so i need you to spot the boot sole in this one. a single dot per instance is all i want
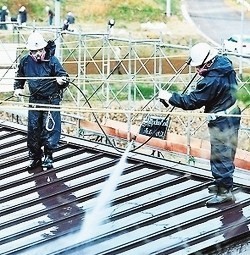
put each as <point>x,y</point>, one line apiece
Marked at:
<point>231,199</point>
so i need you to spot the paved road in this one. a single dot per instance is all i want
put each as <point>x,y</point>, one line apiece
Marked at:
<point>216,20</point>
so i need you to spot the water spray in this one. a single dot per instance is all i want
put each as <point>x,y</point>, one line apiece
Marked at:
<point>94,218</point>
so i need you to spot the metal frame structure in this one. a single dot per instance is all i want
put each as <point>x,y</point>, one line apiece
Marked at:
<point>116,73</point>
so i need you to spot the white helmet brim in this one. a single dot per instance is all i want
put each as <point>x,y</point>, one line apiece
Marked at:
<point>202,53</point>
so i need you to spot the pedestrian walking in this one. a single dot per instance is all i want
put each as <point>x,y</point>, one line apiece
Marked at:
<point>216,91</point>
<point>50,14</point>
<point>46,80</point>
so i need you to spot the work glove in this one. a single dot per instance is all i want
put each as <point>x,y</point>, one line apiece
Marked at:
<point>18,93</point>
<point>61,80</point>
<point>164,97</point>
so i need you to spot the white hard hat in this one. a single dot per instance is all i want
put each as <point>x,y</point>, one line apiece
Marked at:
<point>201,53</point>
<point>36,41</point>
<point>22,9</point>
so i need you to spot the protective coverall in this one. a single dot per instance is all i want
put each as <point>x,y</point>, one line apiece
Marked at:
<point>216,91</point>
<point>44,127</point>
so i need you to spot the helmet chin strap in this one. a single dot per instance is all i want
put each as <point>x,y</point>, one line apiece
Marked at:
<point>38,56</point>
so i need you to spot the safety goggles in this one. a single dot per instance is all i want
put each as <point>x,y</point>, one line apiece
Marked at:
<point>36,51</point>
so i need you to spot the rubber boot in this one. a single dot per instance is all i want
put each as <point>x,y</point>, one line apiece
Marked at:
<point>48,161</point>
<point>34,163</point>
<point>223,195</point>
<point>213,188</point>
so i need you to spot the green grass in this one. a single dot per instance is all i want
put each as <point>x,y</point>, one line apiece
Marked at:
<point>137,13</point>
<point>243,94</point>
<point>130,10</point>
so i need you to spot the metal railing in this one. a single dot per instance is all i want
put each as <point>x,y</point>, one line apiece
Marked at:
<point>120,78</point>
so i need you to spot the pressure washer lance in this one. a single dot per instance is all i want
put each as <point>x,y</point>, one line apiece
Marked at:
<point>187,62</point>
<point>179,71</point>
<point>166,105</point>
<point>49,123</point>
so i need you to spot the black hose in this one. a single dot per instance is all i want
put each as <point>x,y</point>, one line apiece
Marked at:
<point>6,99</point>
<point>187,62</point>
<point>165,119</point>
<point>245,108</point>
<point>153,133</point>
<point>96,119</point>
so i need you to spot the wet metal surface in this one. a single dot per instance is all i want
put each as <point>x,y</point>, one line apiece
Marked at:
<point>157,207</point>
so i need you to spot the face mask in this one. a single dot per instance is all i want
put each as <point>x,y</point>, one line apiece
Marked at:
<point>203,70</point>
<point>38,55</point>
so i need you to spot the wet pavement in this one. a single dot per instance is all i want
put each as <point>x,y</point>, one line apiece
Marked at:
<point>158,206</point>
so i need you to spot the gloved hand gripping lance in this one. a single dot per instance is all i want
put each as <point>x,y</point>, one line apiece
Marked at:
<point>164,95</point>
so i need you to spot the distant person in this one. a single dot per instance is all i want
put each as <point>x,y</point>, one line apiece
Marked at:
<point>70,18</point>
<point>4,15</point>
<point>216,91</point>
<point>50,14</point>
<point>22,16</point>
<point>65,25</point>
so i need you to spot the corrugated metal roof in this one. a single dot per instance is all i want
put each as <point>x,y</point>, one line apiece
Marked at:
<point>158,206</point>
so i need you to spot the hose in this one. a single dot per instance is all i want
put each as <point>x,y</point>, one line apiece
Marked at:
<point>165,119</point>
<point>153,133</point>
<point>96,119</point>
<point>50,122</point>
<point>187,62</point>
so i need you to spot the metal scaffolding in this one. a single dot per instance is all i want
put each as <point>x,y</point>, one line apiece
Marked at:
<point>118,78</point>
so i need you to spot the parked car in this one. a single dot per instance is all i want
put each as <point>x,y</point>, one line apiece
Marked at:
<point>233,44</point>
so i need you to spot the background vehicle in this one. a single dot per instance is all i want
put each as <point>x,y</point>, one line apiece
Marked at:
<point>233,44</point>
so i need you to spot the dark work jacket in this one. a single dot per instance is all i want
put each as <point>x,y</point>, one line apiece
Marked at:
<point>28,67</point>
<point>4,13</point>
<point>216,91</point>
<point>23,16</point>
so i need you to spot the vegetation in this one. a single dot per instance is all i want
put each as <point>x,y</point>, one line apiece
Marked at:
<point>243,94</point>
<point>97,10</point>
<point>127,11</point>
<point>34,7</point>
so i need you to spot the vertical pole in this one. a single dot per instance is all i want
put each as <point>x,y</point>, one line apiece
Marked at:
<point>57,25</point>
<point>106,68</point>
<point>57,13</point>
<point>131,73</point>
<point>79,82</point>
<point>168,8</point>
<point>189,119</point>
<point>241,39</point>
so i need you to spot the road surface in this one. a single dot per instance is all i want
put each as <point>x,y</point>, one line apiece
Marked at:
<point>216,20</point>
